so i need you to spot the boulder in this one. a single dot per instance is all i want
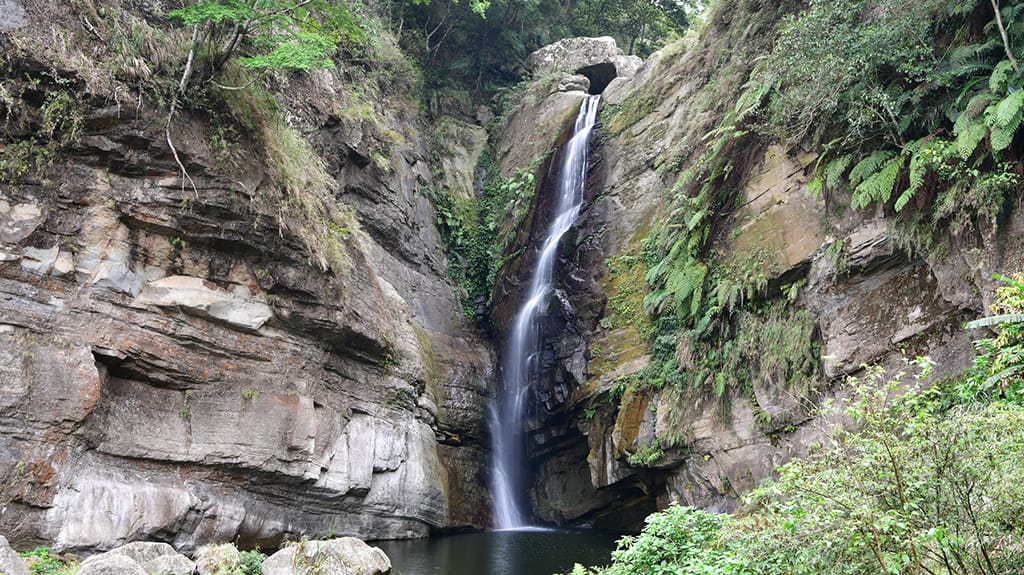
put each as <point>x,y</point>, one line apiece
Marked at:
<point>111,564</point>
<point>144,551</point>
<point>156,558</point>
<point>599,59</point>
<point>151,557</point>
<point>574,83</point>
<point>173,564</point>
<point>344,556</point>
<point>10,562</point>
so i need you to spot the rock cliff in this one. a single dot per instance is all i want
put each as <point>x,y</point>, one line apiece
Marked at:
<point>839,292</point>
<point>248,358</point>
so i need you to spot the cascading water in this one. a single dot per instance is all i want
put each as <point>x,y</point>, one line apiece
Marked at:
<point>520,358</point>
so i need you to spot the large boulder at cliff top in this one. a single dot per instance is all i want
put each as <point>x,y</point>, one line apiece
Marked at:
<point>599,59</point>
<point>343,556</point>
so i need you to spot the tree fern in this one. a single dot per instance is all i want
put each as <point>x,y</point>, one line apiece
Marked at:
<point>1004,118</point>
<point>868,166</point>
<point>877,186</point>
<point>1000,77</point>
<point>968,135</point>
<point>1008,111</point>
<point>918,169</point>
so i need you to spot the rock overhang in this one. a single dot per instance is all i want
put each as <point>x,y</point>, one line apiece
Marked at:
<point>600,60</point>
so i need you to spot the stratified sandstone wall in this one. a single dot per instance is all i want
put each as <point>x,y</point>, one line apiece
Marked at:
<point>176,364</point>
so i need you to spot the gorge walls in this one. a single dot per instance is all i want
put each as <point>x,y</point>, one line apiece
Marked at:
<point>276,351</point>
<point>833,289</point>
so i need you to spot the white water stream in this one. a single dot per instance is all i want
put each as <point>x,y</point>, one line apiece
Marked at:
<point>520,360</point>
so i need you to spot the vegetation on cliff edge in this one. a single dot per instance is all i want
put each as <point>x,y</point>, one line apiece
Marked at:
<point>928,481</point>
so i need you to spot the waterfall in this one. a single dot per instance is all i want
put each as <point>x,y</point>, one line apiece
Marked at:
<point>520,359</point>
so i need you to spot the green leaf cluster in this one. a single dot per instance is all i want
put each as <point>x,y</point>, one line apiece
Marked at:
<point>41,562</point>
<point>919,487</point>
<point>477,231</point>
<point>998,369</point>
<point>922,106</point>
<point>273,34</point>
<point>680,540</point>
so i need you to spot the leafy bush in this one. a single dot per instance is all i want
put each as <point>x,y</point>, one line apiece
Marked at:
<point>918,488</point>
<point>251,562</point>
<point>915,489</point>
<point>41,562</point>
<point>679,540</point>
<point>922,106</point>
<point>999,364</point>
<point>272,34</point>
<point>477,231</point>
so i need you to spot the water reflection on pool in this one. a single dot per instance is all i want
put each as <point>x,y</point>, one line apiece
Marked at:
<point>514,552</point>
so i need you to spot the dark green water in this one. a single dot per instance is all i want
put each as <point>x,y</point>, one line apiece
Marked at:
<point>519,552</point>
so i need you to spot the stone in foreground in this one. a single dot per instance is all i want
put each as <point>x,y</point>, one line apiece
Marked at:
<point>344,556</point>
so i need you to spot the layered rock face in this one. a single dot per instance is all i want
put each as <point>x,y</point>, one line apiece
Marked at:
<point>187,365</point>
<point>865,299</point>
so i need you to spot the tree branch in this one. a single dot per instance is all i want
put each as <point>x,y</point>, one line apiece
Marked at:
<point>185,76</point>
<point>1006,40</point>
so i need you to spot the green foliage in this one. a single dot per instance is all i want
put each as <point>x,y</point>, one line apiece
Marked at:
<point>250,562</point>
<point>679,540</point>
<point>925,103</point>
<point>41,562</point>
<point>272,34</point>
<point>647,455</point>
<point>917,488</point>
<point>34,133</point>
<point>477,231</point>
<point>776,346</point>
<point>999,363</point>
<point>914,490</point>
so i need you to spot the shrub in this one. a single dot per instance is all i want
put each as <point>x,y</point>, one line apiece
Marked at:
<point>41,562</point>
<point>918,488</point>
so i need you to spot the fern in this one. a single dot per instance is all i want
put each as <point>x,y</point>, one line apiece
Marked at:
<point>835,169</point>
<point>1008,111</point>
<point>969,135</point>
<point>918,169</point>
<point>1004,118</point>
<point>815,185</point>
<point>1000,77</point>
<point>994,320</point>
<point>868,166</point>
<point>877,186</point>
